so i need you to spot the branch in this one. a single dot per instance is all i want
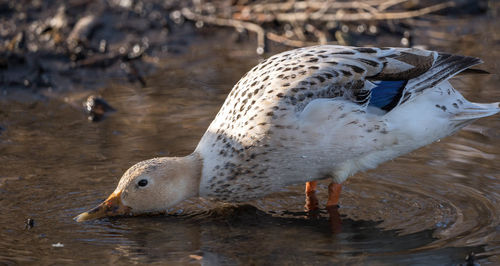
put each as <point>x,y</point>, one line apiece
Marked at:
<point>386,5</point>
<point>345,17</point>
<point>261,41</point>
<point>298,14</point>
<point>288,42</point>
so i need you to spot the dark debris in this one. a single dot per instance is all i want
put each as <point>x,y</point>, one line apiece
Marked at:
<point>96,108</point>
<point>470,260</point>
<point>29,223</point>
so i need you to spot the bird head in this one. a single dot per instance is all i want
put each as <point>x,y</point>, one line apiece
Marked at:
<point>150,186</point>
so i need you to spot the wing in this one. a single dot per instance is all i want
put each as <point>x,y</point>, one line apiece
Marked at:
<point>281,86</point>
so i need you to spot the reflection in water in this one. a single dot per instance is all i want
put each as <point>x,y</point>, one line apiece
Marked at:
<point>242,233</point>
<point>432,207</point>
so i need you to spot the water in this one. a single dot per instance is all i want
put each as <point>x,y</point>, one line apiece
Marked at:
<point>433,206</point>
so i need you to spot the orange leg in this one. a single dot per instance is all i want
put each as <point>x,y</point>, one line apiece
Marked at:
<point>311,199</point>
<point>333,194</point>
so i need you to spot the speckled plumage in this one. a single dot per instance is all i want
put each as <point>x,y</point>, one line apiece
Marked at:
<point>304,115</point>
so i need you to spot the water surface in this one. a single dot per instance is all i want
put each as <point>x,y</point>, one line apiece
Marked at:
<point>433,206</point>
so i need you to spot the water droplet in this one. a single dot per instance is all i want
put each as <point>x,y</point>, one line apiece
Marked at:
<point>405,42</point>
<point>345,28</point>
<point>136,49</point>
<point>102,46</point>
<point>58,245</point>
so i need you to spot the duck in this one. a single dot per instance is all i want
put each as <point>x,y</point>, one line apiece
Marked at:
<point>303,115</point>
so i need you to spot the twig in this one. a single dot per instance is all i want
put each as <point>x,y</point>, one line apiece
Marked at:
<point>299,13</point>
<point>288,42</point>
<point>364,16</point>
<point>261,41</point>
<point>292,5</point>
<point>340,38</point>
<point>299,31</point>
<point>319,34</point>
<point>390,3</point>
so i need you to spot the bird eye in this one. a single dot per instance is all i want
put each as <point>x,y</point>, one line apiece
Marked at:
<point>143,183</point>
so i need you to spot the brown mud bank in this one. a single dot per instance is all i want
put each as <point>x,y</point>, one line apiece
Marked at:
<point>65,45</point>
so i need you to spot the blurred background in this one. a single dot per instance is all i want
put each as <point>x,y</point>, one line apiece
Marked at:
<point>90,87</point>
<point>54,44</point>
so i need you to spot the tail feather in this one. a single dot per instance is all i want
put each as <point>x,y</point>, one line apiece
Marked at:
<point>476,110</point>
<point>446,66</point>
<point>474,71</point>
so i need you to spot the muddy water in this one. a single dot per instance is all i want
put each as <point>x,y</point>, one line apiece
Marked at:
<point>433,206</point>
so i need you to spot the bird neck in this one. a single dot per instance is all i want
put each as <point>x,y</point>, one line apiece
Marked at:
<point>192,169</point>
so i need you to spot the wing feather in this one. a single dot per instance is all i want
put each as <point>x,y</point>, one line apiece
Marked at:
<point>282,85</point>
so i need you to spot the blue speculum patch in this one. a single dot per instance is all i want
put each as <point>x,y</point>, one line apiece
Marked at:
<point>385,95</point>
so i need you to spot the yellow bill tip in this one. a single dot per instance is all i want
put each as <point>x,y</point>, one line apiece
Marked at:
<point>112,206</point>
<point>81,217</point>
